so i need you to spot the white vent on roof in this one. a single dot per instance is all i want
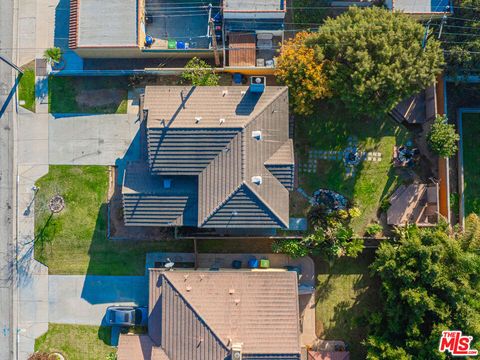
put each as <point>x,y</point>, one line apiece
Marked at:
<point>243,92</point>
<point>221,121</point>
<point>231,291</point>
<point>257,135</point>
<point>198,119</point>
<point>237,351</point>
<point>257,180</point>
<point>224,92</point>
<point>188,288</point>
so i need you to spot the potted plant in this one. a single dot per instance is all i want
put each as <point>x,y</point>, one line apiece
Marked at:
<point>52,57</point>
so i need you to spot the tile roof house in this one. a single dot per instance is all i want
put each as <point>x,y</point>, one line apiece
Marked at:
<point>205,315</point>
<point>218,157</point>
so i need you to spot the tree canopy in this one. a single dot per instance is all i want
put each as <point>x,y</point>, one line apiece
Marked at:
<point>199,73</point>
<point>302,71</point>
<point>430,283</point>
<point>374,58</point>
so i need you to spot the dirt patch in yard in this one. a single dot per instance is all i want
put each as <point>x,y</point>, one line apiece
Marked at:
<point>100,97</point>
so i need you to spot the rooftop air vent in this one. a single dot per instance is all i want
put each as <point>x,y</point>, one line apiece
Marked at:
<point>237,351</point>
<point>221,121</point>
<point>198,119</point>
<point>257,180</point>
<point>257,135</point>
<point>257,84</point>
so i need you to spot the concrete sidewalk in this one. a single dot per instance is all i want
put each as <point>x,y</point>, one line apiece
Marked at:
<point>78,299</point>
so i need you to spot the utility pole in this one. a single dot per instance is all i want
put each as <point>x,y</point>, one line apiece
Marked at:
<point>214,43</point>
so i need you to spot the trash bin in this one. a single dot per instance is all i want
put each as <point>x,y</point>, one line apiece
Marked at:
<point>172,44</point>
<point>264,263</point>
<point>253,263</point>
<point>236,264</point>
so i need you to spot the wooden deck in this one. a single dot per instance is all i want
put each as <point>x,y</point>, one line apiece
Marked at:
<point>242,50</point>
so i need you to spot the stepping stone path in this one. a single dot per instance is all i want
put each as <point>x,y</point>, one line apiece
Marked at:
<point>310,166</point>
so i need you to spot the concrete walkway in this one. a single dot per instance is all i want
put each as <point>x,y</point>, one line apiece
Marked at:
<point>77,299</point>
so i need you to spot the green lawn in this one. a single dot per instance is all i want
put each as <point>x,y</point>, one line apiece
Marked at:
<point>329,129</point>
<point>76,342</point>
<point>74,241</point>
<point>100,95</point>
<point>26,88</point>
<point>471,162</point>
<point>346,295</point>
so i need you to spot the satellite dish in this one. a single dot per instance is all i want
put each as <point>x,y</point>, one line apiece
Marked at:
<point>169,264</point>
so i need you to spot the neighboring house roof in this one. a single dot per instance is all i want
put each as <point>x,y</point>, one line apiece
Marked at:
<point>201,314</point>
<point>208,133</point>
<point>111,23</point>
<point>420,6</point>
<point>257,5</point>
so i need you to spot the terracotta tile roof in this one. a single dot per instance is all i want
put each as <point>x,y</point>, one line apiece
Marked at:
<point>258,309</point>
<point>139,347</point>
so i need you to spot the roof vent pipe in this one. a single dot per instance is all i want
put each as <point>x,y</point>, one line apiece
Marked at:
<point>257,135</point>
<point>197,119</point>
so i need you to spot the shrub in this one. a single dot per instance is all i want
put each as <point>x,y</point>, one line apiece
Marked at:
<point>442,137</point>
<point>294,248</point>
<point>199,73</point>
<point>52,55</point>
<point>373,229</point>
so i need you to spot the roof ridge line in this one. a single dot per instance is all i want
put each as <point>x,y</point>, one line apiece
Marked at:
<point>222,203</point>
<point>196,312</point>
<point>263,201</point>
<point>254,117</point>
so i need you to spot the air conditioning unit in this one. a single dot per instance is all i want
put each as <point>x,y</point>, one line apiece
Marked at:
<point>257,84</point>
<point>237,351</point>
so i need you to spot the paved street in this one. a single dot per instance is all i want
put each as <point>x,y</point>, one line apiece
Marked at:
<point>7,208</point>
<point>84,299</point>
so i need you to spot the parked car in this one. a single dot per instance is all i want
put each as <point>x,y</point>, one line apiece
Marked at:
<point>127,315</point>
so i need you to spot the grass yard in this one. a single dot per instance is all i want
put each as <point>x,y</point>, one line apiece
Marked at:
<point>74,241</point>
<point>329,129</point>
<point>471,162</point>
<point>26,88</point>
<point>346,295</point>
<point>76,342</point>
<point>95,95</point>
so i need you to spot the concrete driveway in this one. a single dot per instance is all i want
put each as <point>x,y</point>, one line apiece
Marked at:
<point>92,139</point>
<point>78,299</point>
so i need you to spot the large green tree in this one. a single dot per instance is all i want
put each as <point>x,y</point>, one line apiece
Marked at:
<point>374,58</point>
<point>430,283</point>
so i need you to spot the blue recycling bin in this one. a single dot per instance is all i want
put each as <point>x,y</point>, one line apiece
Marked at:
<point>237,78</point>
<point>253,264</point>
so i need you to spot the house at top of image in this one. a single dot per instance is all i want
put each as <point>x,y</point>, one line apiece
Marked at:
<point>218,157</point>
<point>244,35</point>
<point>421,7</point>
<point>213,315</point>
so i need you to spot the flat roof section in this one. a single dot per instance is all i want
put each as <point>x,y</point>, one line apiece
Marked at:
<point>111,23</point>
<point>257,5</point>
<point>421,6</point>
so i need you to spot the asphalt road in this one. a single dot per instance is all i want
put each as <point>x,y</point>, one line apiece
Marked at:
<point>7,332</point>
